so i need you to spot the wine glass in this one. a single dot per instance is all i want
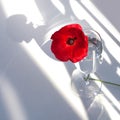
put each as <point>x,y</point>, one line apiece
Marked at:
<point>81,81</point>
<point>87,89</point>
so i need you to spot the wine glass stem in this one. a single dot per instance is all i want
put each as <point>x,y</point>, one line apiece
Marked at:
<point>94,62</point>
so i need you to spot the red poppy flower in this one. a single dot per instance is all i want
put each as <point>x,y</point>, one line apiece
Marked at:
<point>70,43</point>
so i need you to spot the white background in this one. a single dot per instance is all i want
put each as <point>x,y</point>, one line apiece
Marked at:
<point>36,86</point>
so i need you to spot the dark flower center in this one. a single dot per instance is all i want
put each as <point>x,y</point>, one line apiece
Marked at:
<point>70,41</point>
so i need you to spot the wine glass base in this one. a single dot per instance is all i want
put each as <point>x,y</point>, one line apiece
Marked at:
<point>90,94</point>
<point>84,88</point>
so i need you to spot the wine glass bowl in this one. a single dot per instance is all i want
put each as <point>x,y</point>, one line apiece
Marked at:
<point>95,44</point>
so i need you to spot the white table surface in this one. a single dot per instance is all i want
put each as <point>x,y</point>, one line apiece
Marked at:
<point>36,86</point>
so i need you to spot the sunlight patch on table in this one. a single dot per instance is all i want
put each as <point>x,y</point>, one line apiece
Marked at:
<point>111,98</point>
<point>11,100</point>
<point>59,6</point>
<point>25,7</point>
<point>118,71</point>
<point>97,14</point>
<point>107,58</point>
<point>111,111</point>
